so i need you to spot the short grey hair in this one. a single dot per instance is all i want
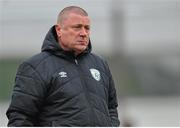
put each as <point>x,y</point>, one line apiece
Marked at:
<point>70,9</point>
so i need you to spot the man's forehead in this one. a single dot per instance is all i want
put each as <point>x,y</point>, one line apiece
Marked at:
<point>76,17</point>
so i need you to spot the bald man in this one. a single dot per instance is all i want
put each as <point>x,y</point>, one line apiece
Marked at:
<point>65,84</point>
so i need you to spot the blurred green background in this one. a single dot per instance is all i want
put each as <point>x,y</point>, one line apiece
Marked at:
<point>8,68</point>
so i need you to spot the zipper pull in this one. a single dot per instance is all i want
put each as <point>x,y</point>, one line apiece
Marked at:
<point>76,61</point>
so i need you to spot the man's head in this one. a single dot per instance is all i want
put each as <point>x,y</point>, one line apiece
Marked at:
<point>73,29</point>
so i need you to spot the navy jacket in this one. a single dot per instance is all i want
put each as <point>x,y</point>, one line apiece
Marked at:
<point>56,88</point>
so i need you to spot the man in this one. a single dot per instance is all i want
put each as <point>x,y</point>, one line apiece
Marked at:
<point>65,84</point>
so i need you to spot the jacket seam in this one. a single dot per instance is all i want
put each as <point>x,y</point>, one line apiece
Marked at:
<point>18,91</point>
<point>102,112</point>
<point>61,67</point>
<point>25,76</point>
<point>36,72</point>
<point>49,55</point>
<point>22,111</point>
<point>35,68</point>
<point>97,96</point>
<point>63,84</point>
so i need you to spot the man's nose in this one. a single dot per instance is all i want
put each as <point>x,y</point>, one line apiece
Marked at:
<point>83,32</point>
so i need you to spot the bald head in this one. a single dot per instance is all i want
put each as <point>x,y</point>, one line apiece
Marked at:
<point>70,9</point>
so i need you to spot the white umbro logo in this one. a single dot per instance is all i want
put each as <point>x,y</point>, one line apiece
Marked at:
<point>63,74</point>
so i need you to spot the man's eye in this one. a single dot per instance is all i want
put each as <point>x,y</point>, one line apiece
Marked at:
<point>79,27</point>
<point>76,27</point>
<point>87,28</point>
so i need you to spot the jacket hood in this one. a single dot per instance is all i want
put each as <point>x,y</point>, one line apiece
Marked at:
<point>50,44</point>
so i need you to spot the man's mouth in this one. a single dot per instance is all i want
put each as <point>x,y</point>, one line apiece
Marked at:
<point>82,42</point>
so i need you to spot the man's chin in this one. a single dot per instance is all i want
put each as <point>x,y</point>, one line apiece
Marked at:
<point>80,50</point>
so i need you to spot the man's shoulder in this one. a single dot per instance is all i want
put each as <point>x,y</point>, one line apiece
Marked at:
<point>99,60</point>
<point>94,55</point>
<point>98,57</point>
<point>36,59</point>
<point>31,64</point>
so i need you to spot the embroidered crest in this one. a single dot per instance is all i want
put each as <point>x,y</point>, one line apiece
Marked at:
<point>96,74</point>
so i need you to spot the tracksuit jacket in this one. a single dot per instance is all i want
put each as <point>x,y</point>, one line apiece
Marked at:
<point>57,88</point>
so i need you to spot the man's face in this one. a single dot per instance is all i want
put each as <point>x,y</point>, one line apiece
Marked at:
<point>73,33</point>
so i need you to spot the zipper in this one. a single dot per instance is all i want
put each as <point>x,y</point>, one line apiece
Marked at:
<point>76,62</point>
<point>86,93</point>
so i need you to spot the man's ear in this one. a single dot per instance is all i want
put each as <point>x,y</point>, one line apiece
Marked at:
<point>58,30</point>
